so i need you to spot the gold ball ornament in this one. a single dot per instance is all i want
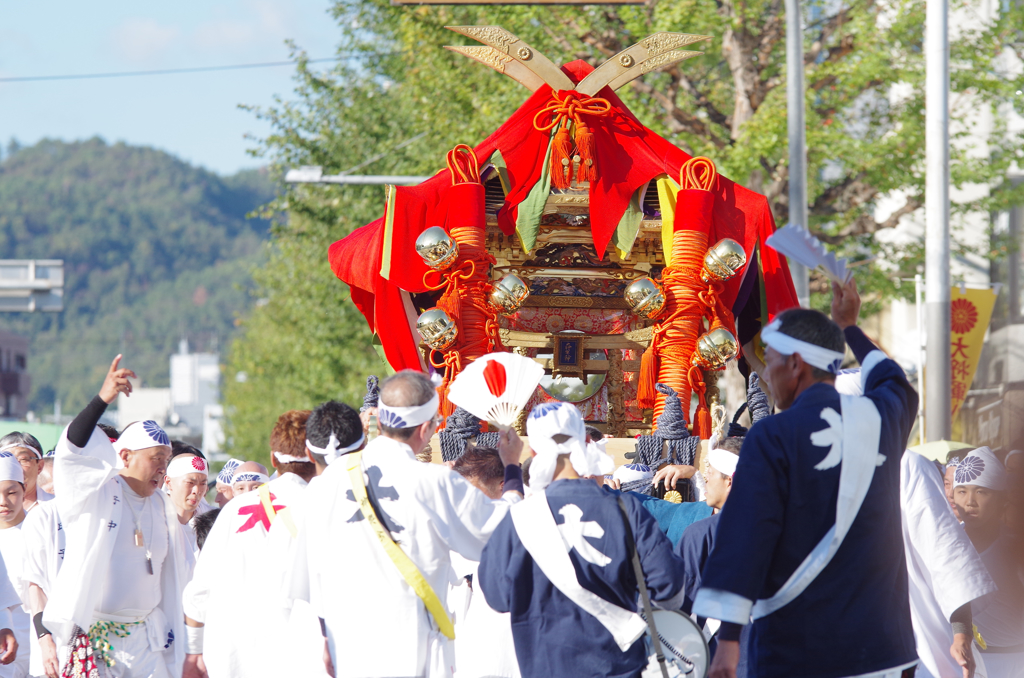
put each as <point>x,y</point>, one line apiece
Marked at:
<point>715,348</point>
<point>723,261</point>
<point>646,297</point>
<point>508,294</point>
<point>437,329</point>
<point>438,249</point>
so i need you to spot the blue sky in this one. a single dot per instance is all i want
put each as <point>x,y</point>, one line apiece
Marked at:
<point>194,116</point>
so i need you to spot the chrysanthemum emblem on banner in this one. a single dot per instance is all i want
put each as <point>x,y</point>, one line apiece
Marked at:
<point>970,313</point>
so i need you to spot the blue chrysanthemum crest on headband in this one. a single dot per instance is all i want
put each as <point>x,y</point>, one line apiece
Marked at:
<point>155,432</point>
<point>391,419</point>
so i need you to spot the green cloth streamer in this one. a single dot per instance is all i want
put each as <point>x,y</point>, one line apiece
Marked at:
<point>629,225</point>
<point>532,208</point>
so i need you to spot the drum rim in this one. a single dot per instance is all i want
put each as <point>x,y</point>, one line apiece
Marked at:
<point>693,624</point>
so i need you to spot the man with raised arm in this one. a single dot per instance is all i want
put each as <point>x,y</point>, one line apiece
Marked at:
<point>810,544</point>
<point>117,596</point>
<point>377,523</point>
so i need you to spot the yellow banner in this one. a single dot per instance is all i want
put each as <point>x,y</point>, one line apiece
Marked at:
<point>970,313</point>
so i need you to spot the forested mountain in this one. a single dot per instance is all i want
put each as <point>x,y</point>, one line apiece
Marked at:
<point>154,250</point>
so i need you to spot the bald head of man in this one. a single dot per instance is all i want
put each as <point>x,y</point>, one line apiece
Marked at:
<point>249,476</point>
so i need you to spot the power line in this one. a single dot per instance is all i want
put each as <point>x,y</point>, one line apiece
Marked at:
<point>171,71</point>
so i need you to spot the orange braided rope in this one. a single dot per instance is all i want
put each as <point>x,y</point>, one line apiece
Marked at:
<point>463,165</point>
<point>689,301</point>
<point>466,286</point>
<point>565,108</point>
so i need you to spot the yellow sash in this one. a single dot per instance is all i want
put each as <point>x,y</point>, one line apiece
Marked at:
<point>268,506</point>
<point>413,577</point>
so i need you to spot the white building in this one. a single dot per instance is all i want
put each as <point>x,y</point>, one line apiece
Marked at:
<point>190,409</point>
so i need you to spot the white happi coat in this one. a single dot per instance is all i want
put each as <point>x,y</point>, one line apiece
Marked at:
<point>376,624</point>
<point>89,499</point>
<point>484,647</point>
<point>945,570</point>
<point>237,618</point>
<point>43,537</point>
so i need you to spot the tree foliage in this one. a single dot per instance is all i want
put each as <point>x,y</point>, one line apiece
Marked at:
<point>154,250</point>
<point>864,68</point>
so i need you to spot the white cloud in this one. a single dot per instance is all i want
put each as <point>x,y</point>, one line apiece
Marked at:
<point>223,34</point>
<point>144,40</point>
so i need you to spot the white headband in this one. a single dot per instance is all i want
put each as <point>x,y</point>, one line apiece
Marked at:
<point>140,435</point>
<point>184,464</point>
<point>332,452</point>
<point>818,356</point>
<point>723,461</point>
<point>289,459</point>
<point>10,468</point>
<point>546,421</point>
<point>23,446</point>
<point>981,467</point>
<point>246,476</point>
<point>228,471</point>
<point>407,417</point>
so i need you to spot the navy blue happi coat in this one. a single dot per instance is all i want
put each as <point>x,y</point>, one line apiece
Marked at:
<point>554,636</point>
<point>854,618</point>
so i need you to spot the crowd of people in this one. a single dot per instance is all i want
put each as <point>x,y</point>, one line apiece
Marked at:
<point>816,544</point>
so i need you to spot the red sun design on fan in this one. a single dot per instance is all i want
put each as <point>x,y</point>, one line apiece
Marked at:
<point>963,316</point>
<point>494,375</point>
<point>197,464</point>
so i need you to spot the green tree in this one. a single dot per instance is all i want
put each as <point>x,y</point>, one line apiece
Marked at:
<point>154,250</point>
<point>865,116</point>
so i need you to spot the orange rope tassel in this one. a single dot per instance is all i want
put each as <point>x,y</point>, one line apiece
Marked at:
<point>566,107</point>
<point>587,147</point>
<point>561,159</point>
<point>645,391</point>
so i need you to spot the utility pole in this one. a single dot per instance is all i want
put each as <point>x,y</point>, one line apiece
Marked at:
<point>797,139</point>
<point>938,398</point>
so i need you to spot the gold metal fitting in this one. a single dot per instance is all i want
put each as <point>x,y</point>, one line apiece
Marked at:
<point>715,349</point>
<point>508,294</point>
<point>438,249</point>
<point>646,297</point>
<point>723,261</point>
<point>437,329</point>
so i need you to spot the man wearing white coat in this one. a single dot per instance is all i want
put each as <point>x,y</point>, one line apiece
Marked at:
<point>222,626</point>
<point>367,503</point>
<point>945,571</point>
<point>119,588</point>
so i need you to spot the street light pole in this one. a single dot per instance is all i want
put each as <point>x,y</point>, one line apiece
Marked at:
<point>315,175</point>
<point>938,385</point>
<point>797,139</point>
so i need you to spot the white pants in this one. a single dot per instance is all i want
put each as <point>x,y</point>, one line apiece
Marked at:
<point>133,657</point>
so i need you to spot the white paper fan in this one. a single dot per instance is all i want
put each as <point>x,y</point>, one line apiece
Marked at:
<point>797,243</point>
<point>496,387</point>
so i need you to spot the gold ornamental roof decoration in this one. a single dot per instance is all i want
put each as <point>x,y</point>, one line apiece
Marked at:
<point>508,54</point>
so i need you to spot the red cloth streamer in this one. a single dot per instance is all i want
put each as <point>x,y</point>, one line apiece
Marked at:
<point>494,375</point>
